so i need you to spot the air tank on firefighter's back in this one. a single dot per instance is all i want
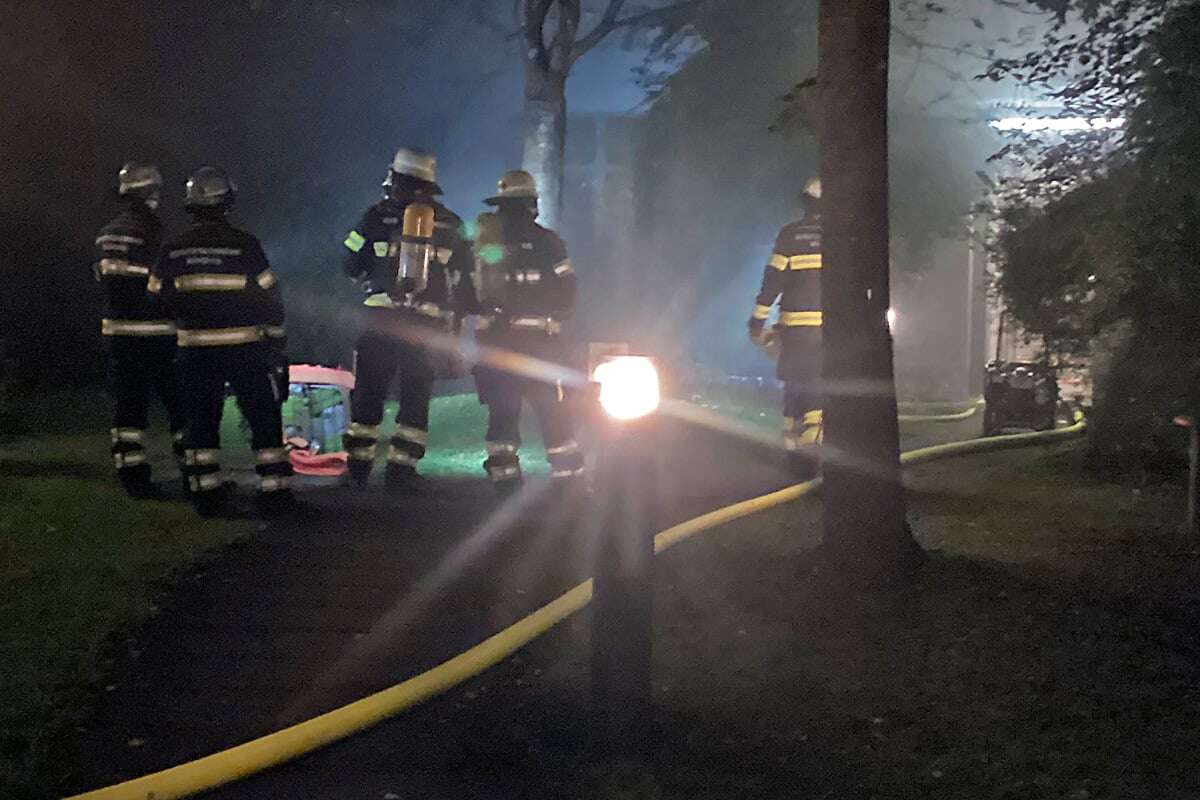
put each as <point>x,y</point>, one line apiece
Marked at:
<point>491,279</point>
<point>415,249</point>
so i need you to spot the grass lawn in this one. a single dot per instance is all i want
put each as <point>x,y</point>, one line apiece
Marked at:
<point>80,564</point>
<point>761,407</point>
<point>1047,649</point>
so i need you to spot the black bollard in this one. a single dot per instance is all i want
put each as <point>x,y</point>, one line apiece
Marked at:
<point>623,593</point>
<point>622,601</point>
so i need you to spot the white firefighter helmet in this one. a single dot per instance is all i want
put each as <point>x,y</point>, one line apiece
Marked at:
<point>516,184</point>
<point>813,188</point>
<point>415,164</point>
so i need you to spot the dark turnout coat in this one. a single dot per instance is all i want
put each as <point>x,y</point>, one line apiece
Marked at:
<point>792,277</point>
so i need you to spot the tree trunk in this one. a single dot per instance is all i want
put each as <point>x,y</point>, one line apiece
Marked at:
<point>545,137</point>
<point>866,536</point>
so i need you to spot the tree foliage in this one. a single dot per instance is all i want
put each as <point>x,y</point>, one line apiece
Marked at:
<point>1101,252</point>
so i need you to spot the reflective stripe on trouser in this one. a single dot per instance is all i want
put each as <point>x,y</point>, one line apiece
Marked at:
<point>812,429</point>
<point>798,433</point>
<point>503,462</point>
<point>129,458</point>
<point>127,450</point>
<point>407,446</point>
<point>566,459</point>
<point>199,483</point>
<point>807,431</point>
<point>202,466</point>
<point>791,434</point>
<point>274,469</point>
<point>405,454</point>
<point>361,441</point>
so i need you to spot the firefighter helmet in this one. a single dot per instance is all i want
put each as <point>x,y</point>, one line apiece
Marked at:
<point>516,184</point>
<point>415,164</point>
<point>139,179</point>
<point>415,168</point>
<point>209,187</point>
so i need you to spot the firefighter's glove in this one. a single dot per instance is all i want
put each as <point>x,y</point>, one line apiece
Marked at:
<point>771,343</point>
<point>755,328</point>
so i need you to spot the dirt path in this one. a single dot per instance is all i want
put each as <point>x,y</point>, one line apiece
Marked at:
<point>296,622</point>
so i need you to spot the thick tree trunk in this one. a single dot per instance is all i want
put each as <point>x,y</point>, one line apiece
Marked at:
<point>545,137</point>
<point>866,535</point>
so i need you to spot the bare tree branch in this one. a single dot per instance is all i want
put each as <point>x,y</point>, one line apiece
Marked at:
<point>535,13</point>
<point>602,28</point>
<point>569,14</point>
<point>607,25</point>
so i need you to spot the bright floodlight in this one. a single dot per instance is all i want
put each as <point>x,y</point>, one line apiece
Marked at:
<point>891,319</point>
<point>628,386</point>
<point>1057,124</point>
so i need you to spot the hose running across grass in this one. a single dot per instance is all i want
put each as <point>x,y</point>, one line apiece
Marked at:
<point>954,417</point>
<point>293,742</point>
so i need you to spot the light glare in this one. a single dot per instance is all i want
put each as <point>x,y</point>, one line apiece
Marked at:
<point>1057,124</point>
<point>628,387</point>
<point>891,319</point>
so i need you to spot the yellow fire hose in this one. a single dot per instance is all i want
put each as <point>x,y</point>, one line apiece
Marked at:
<point>955,417</point>
<point>290,743</point>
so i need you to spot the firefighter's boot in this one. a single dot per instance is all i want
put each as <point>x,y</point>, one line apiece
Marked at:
<point>503,466</point>
<point>804,451</point>
<point>404,479</point>
<point>137,484</point>
<point>214,503</point>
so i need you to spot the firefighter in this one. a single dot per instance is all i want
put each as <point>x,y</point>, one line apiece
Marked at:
<point>141,340</point>
<point>793,277</point>
<point>215,282</point>
<point>413,262</point>
<point>526,289</point>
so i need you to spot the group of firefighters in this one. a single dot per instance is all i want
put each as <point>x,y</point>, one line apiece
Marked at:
<point>202,311</point>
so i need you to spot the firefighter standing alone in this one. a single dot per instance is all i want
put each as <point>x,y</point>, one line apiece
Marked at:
<point>141,340</point>
<point>793,277</point>
<point>413,264</point>
<point>526,288</point>
<point>215,282</point>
